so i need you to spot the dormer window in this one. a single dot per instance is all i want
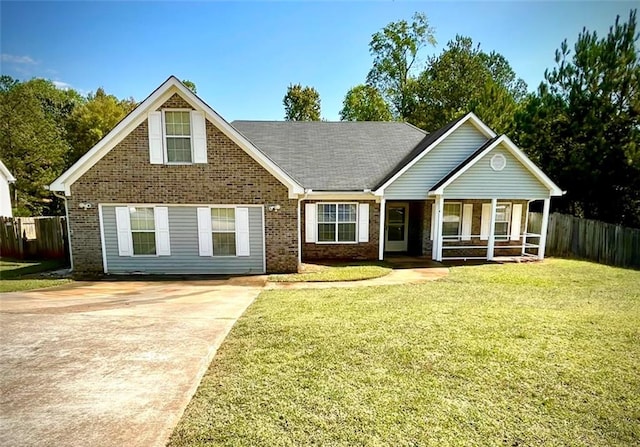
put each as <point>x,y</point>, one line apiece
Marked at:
<point>177,134</point>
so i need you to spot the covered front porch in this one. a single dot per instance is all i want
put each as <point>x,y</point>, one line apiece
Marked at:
<point>449,229</point>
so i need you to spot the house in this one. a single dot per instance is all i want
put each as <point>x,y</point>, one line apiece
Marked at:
<point>5,195</point>
<point>174,188</point>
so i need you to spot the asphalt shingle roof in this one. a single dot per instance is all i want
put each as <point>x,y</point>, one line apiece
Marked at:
<point>335,156</point>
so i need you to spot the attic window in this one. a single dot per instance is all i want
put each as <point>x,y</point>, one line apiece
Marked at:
<point>177,126</point>
<point>498,162</point>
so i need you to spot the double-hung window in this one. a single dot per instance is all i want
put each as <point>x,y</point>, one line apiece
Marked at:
<point>337,222</point>
<point>503,220</point>
<point>451,219</point>
<point>143,230</point>
<point>223,226</point>
<point>177,126</point>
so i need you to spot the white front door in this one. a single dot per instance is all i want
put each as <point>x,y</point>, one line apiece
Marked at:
<point>397,220</point>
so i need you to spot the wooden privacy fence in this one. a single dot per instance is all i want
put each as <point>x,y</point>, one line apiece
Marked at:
<point>33,237</point>
<point>589,239</point>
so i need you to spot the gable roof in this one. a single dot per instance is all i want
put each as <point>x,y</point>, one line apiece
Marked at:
<point>6,173</point>
<point>439,187</point>
<point>334,156</point>
<point>171,86</point>
<point>429,143</point>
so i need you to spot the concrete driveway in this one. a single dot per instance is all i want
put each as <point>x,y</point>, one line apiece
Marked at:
<point>109,363</point>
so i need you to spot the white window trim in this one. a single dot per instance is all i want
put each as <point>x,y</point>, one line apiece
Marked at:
<point>235,207</point>
<point>235,233</point>
<point>335,242</point>
<point>165,146</point>
<point>507,236</point>
<point>131,231</point>
<point>459,233</point>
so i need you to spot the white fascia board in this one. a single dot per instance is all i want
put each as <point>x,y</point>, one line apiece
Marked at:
<point>7,174</point>
<point>470,117</point>
<point>516,152</point>
<point>240,140</point>
<point>139,114</point>
<point>340,195</point>
<point>540,175</point>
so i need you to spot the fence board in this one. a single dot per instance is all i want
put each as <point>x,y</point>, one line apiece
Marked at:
<point>39,237</point>
<point>589,239</point>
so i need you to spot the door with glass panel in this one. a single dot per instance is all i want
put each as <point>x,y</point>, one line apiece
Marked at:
<point>397,218</point>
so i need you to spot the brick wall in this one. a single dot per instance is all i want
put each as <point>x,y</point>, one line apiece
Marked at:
<point>231,176</point>
<point>359,251</point>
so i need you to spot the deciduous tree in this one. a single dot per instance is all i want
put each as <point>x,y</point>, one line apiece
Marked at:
<point>92,120</point>
<point>32,143</point>
<point>301,103</point>
<point>395,52</point>
<point>365,103</point>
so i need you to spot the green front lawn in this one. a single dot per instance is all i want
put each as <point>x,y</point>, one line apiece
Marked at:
<point>511,355</point>
<point>17,275</point>
<point>339,272</point>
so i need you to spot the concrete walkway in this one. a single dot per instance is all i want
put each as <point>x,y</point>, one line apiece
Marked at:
<point>109,363</point>
<point>397,276</point>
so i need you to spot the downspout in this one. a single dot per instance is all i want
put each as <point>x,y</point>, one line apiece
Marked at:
<point>300,199</point>
<point>66,213</point>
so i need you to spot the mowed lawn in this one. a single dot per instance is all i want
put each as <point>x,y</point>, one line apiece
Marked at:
<point>509,355</point>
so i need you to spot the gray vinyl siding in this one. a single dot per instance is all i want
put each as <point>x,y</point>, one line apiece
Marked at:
<point>416,182</point>
<point>184,259</point>
<point>515,181</point>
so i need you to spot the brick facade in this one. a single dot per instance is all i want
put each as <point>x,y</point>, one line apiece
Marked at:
<point>231,176</point>
<point>356,251</point>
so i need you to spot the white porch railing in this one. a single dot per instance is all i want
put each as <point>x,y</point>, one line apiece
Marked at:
<point>524,246</point>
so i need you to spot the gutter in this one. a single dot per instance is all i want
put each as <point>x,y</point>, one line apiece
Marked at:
<point>300,199</point>
<point>66,213</point>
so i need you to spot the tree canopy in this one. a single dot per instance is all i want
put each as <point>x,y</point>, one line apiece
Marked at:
<point>365,103</point>
<point>463,79</point>
<point>301,103</point>
<point>395,52</point>
<point>583,125</point>
<point>44,130</point>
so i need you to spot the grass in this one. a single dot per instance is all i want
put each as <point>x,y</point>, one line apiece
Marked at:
<point>338,272</point>
<point>513,355</point>
<point>24,275</point>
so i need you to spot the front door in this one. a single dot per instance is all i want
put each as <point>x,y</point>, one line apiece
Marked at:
<point>397,219</point>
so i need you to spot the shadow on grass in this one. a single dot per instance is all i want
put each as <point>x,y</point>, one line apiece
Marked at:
<point>16,269</point>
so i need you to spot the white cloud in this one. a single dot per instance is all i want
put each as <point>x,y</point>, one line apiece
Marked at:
<point>13,59</point>
<point>61,85</point>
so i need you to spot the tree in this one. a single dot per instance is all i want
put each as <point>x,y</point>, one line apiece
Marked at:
<point>463,79</point>
<point>301,103</point>
<point>92,120</point>
<point>32,143</point>
<point>395,51</point>
<point>190,85</point>
<point>583,125</point>
<point>365,103</point>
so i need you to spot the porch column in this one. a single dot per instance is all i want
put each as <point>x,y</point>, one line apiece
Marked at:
<point>526,228</point>
<point>439,215</point>
<point>492,231</point>
<point>383,213</point>
<point>543,228</point>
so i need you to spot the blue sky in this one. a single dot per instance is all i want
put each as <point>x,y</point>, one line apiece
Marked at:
<point>243,55</point>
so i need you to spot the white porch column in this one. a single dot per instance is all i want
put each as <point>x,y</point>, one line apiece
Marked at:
<point>383,213</point>
<point>438,235</point>
<point>526,227</point>
<point>543,228</point>
<point>492,231</point>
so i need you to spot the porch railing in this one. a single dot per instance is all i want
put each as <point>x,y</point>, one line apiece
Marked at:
<point>526,247</point>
